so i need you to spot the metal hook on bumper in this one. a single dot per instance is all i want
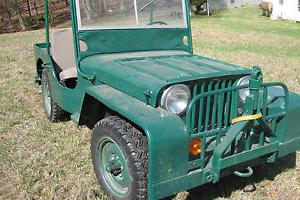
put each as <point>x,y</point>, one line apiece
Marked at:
<point>244,175</point>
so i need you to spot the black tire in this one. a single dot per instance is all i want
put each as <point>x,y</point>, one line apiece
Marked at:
<point>54,112</point>
<point>133,145</point>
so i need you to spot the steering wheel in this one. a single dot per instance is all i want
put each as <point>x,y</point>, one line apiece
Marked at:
<point>158,22</point>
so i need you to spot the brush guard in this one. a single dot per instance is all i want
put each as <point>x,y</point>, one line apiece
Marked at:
<point>255,115</point>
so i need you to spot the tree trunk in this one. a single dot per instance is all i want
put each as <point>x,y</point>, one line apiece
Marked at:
<point>19,16</point>
<point>29,7</point>
<point>35,8</point>
<point>87,5</point>
<point>7,9</point>
<point>21,21</point>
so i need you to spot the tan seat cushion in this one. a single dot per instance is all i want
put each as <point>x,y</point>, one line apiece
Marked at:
<point>68,73</point>
<point>62,49</point>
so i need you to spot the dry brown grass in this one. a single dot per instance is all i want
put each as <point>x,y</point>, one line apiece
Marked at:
<point>39,160</point>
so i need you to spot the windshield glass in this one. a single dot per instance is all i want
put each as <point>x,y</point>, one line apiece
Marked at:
<point>111,14</point>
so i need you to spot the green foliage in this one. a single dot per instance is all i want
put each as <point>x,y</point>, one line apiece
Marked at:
<point>198,2</point>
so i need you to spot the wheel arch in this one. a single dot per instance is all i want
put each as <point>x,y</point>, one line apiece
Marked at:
<point>39,67</point>
<point>94,110</point>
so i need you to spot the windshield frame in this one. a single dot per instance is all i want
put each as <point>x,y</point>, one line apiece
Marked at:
<point>83,28</point>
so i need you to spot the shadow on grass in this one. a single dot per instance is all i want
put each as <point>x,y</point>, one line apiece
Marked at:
<point>229,184</point>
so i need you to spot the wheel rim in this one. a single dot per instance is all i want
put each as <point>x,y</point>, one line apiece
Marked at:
<point>113,166</point>
<point>47,97</point>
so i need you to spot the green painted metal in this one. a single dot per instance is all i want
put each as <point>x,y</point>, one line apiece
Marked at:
<point>246,174</point>
<point>47,98</point>
<point>129,73</point>
<point>127,70</point>
<point>46,8</point>
<point>113,166</point>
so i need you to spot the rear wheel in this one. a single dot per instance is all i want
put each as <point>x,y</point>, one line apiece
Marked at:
<point>53,111</point>
<point>119,155</point>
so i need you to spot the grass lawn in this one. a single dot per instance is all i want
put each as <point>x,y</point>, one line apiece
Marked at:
<point>39,160</point>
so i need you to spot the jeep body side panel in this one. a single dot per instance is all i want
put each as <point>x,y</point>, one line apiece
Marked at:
<point>69,99</point>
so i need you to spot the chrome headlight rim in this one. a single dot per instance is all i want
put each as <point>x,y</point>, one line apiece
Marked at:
<point>168,91</point>
<point>243,93</point>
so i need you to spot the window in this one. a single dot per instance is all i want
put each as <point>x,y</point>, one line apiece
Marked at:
<point>109,14</point>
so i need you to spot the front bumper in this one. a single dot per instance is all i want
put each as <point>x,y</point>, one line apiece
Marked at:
<point>227,149</point>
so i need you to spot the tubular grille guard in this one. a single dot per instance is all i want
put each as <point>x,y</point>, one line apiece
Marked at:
<point>224,109</point>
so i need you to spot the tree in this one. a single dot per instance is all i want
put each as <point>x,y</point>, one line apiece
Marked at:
<point>35,7</point>
<point>14,6</point>
<point>7,9</point>
<point>198,4</point>
<point>29,7</point>
<point>94,8</point>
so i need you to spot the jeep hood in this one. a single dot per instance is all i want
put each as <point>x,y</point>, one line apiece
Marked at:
<point>144,74</point>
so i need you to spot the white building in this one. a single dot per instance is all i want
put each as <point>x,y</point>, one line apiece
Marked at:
<point>223,4</point>
<point>286,9</point>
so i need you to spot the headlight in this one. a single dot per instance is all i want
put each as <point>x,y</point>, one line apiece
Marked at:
<point>176,98</point>
<point>243,93</point>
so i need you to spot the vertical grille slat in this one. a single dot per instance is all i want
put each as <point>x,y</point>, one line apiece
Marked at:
<point>214,112</point>
<point>201,104</point>
<point>208,104</point>
<point>220,111</point>
<point>227,106</point>
<point>233,105</point>
<point>195,92</point>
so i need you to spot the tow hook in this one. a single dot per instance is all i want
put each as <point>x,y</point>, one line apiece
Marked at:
<point>244,174</point>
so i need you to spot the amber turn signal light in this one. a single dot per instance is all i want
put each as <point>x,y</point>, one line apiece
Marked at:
<point>195,146</point>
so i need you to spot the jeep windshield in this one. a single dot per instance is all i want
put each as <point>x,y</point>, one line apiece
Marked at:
<point>130,14</point>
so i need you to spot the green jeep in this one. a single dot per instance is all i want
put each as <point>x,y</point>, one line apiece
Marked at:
<point>163,119</point>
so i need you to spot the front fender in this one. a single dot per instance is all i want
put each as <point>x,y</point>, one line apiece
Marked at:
<point>290,142</point>
<point>166,134</point>
<point>292,132</point>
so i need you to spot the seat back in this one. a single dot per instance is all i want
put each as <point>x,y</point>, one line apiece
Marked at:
<point>62,49</point>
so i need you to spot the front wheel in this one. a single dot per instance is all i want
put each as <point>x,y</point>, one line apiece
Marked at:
<point>120,159</point>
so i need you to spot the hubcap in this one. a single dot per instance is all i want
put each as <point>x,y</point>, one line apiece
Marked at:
<point>47,97</point>
<point>113,166</point>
